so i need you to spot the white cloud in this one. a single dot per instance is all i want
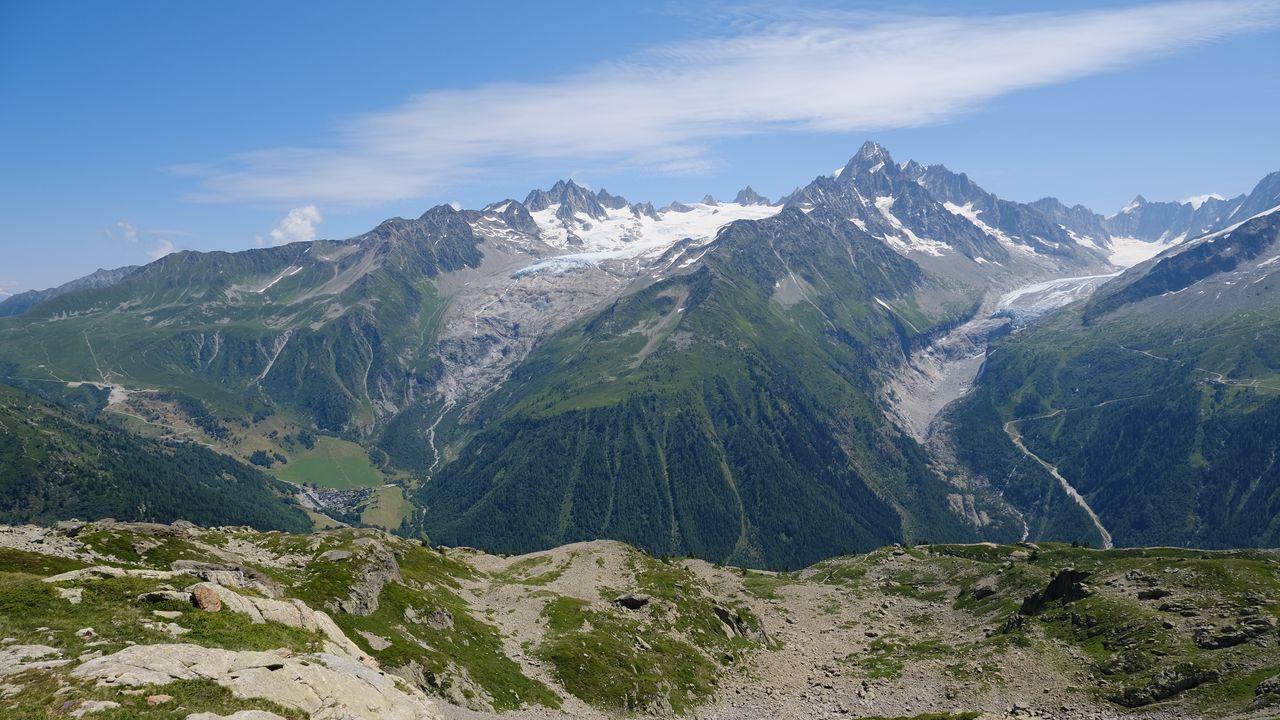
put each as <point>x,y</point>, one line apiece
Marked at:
<point>163,246</point>
<point>665,109</point>
<point>298,226</point>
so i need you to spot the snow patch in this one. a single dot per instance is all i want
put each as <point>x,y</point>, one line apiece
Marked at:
<point>1129,251</point>
<point>967,212</point>
<point>912,242</point>
<point>288,272</point>
<point>623,234</point>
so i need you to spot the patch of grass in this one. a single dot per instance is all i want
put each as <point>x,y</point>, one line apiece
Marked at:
<point>848,572</point>
<point>388,509</point>
<point>41,696</point>
<point>107,541</point>
<point>765,585</point>
<point>17,561</point>
<point>521,571</point>
<point>517,571</point>
<point>332,463</point>
<point>1233,692</point>
<point>607,659</point>
<point>887,656</point>
<point>117,617</point>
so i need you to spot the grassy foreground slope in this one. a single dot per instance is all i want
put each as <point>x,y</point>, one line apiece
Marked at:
<point>602,630</point>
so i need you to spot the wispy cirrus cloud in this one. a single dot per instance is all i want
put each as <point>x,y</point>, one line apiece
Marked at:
<point>664,110</point>
<point>161,240</point>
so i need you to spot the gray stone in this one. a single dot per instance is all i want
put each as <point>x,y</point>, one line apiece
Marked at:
<point>241,715</point>
<point>16,659</point>
<point>294,613</point>
<point>323,686</point>
<point>93,706</point>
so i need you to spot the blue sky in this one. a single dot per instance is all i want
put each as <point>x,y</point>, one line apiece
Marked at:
<point>132,128</point>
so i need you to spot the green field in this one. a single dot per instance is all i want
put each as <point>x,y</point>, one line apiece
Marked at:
<point>332,463</point>
<point>389,508</point>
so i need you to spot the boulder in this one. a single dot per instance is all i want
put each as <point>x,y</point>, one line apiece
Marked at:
<point>982,591</point>
<point>1066,586</point>
<point>204,597</point>
<point>633,601</point>
<point>69,528</point>
<point>440,619</point>
<point>92,706</point>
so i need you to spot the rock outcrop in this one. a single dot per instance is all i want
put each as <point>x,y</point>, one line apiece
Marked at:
<point>324,686</point>
<point>293,613</point>
<point>1066,586</point>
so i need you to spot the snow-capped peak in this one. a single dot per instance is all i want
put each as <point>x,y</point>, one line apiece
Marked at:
<point>1134,204</point>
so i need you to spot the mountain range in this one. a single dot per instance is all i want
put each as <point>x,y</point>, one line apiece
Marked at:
<point>744,381</point>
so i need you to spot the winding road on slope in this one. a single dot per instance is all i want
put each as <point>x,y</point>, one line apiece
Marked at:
<point>1011,429</point>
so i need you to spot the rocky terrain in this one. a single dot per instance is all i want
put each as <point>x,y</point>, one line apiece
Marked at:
<point>108,621</point>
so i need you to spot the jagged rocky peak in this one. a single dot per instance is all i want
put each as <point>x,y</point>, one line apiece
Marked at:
<point>677,206</point>
<point>747,196</point>
<point>952,186</point>
<point>1077,218</point>
<point>645,209</point>
<point>709,200</point>
<point>871,157</point>
<point>572,198</point>
<point>514,214</point>
<point>1137,202</point>
<point>914,170</point>
<point>613,202</point>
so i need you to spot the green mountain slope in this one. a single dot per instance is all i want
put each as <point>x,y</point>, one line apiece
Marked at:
<point>1158,399</point>
<point>55,465</point>
<point>335,333</point>
<point>727,413</point>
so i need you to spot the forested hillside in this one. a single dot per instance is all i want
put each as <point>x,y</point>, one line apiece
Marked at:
<point>729,413</point>
<point>55,464</point>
